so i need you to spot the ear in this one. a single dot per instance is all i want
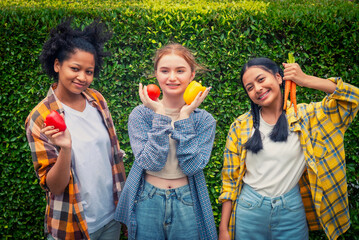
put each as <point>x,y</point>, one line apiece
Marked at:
<point>57,65</point>
<point>279,78</point>
<point>193,75</point>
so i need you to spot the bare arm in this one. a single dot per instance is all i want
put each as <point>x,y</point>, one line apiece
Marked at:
<point>58,177</point>
<point>294,73</point>
<point>226,215</point>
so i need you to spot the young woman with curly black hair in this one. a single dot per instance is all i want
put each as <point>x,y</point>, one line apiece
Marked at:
<point>80,168</point>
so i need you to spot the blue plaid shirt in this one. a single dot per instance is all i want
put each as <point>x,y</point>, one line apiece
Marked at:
<point>149,139</point>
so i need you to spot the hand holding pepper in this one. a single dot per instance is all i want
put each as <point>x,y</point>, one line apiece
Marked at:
<point>55,130</point>
<point>193,101</point>
<point>155,105</point>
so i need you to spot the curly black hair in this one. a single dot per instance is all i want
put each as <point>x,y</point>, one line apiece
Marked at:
<point>65,40</point>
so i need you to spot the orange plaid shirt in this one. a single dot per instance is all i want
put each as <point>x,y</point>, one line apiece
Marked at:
<point>64,216</point>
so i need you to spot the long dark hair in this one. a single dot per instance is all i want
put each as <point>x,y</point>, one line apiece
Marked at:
<point>280,130</point>
<point>64,41</point>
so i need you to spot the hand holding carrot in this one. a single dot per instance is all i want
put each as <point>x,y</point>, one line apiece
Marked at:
<point>293,72</point>
<point>290,69</point>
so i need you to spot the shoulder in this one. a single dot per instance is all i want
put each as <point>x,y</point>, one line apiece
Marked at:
<point>244,118</point>
<point>141,112</point>
<point>95,94</point>
<point>201,115</point>
<point>42,109</point>
<point>241,125</point>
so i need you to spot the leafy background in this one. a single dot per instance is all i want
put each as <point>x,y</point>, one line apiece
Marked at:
<point>323,35</point>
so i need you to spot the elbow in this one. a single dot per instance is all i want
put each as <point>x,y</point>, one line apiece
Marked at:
<point>57,190</point>
<point>57,187</point>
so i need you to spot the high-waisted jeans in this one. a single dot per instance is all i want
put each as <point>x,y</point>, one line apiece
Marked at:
<point>259,217</point>
<point>165,214</point>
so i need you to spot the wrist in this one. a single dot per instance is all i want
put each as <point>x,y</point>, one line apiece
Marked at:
<point>223,227</point>
<point>66,149</point>
<point>183,116</point>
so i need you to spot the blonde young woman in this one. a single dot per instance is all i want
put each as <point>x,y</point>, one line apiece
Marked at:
<point>166,195</point>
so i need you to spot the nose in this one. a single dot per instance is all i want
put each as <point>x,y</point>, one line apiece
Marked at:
<point>172,75</point>
<point>81,76</point>
<point>258,87</point>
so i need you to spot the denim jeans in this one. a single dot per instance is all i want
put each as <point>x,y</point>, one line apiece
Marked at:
<point>111,231</point>
<point>165,214</point>
<point>259,217</point>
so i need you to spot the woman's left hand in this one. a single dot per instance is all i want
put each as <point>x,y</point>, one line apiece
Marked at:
<point>186,110</point>
<point>293,72</point>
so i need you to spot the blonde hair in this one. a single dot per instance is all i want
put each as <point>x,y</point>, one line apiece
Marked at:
<point>178,49</point>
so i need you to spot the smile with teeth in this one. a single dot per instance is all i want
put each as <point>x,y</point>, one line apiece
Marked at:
<point>263,95</point>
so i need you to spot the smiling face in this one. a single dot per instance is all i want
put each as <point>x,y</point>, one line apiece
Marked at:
<point>173,74</point>
<point>75,74</point>
<point>263,87</point>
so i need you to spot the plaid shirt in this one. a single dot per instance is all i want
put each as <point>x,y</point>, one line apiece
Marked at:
<point>149,139</point>
<point>321,128</point>
<point>64,216</point>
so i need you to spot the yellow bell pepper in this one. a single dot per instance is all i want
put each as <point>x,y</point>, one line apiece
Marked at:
<point>192,91</point>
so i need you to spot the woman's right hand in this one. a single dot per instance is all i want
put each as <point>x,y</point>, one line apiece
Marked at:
<point>156,106</point>
<point>60,139</point>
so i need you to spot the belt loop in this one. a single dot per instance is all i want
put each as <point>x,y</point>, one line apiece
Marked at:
<point>283,201</point>
<point>152,191</point>
<point>261,201</point>
<point>177,191</point>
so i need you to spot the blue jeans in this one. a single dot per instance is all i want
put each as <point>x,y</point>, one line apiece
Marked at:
<point>111,231</point>
<point>259,217</point>
<point>165,214</point>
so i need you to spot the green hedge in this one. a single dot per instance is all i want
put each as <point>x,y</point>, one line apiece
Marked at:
<point>224,34</point>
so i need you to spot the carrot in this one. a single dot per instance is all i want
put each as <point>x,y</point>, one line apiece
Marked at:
<point>293,96</point>
<point>290,86</point>
<point>286,93</point>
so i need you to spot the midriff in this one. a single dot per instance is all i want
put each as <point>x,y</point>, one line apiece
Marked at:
<point>166,183</point>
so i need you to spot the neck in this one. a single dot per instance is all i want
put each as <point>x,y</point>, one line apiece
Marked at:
<point>271,115</point>
<point>173,103</point>
<point>75,101</point>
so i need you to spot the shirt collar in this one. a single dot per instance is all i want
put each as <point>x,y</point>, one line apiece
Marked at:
<point>51,95</point>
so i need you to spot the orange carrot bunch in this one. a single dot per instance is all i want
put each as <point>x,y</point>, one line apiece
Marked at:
<point>290,86</point>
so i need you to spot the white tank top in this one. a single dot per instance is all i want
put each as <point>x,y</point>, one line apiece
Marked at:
<point>277,168</point>
<point>172,169</point>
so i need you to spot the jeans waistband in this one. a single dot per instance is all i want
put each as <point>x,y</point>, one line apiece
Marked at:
<point>248,190</point>
<point>165,192</point>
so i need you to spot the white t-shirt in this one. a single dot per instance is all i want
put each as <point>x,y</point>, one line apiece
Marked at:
<point>277,168</point>
<point>91,154</point>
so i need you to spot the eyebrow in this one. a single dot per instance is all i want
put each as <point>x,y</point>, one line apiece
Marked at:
<point>175,68</point>
<point>77,64</point>
<point>258,76</point>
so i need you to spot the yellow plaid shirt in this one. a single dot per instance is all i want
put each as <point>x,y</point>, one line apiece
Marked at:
<point>321,127</point>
